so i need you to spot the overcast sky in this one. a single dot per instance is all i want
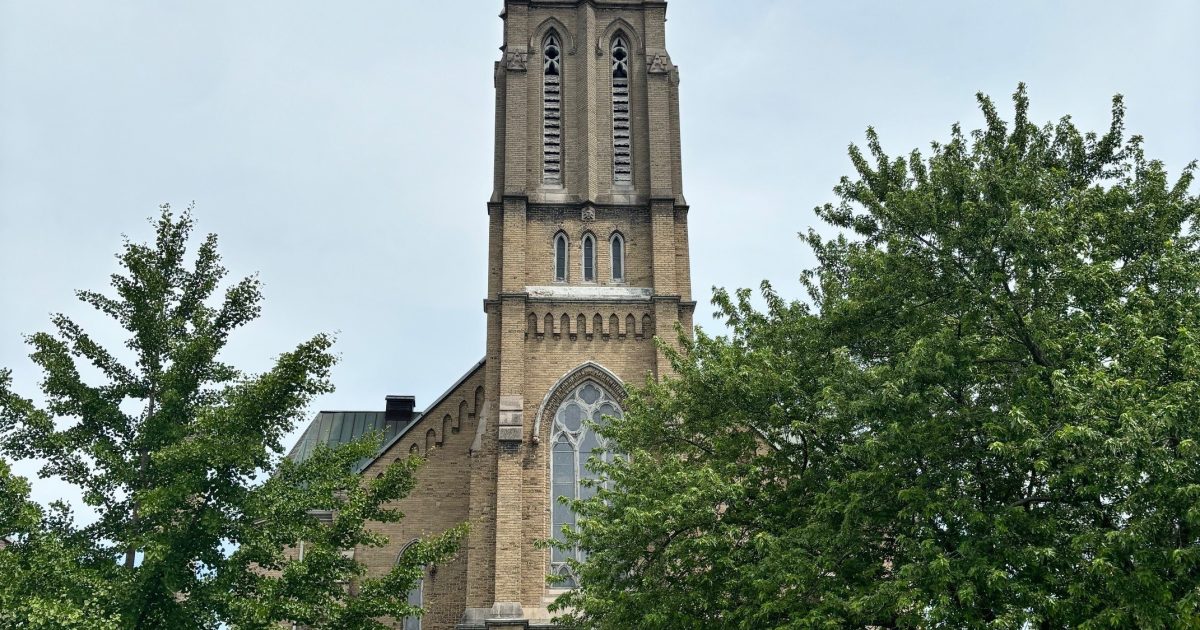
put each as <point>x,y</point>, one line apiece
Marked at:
<point>343,150</point>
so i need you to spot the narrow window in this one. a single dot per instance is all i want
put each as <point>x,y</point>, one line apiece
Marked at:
<point>589,258</point>
<point>560,258</point>
<point>618,258</point>
<point>416,597</point>
<point>622,153</point>
<point>552,110</point>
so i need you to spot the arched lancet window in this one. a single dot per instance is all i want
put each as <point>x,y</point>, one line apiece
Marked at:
<point>552,110</point>
<point>617,245</point>
<point>589,258</point>
<point>560,257</point>
<point>416,596</point>
<point>573,442</point>
<point>622,149</point>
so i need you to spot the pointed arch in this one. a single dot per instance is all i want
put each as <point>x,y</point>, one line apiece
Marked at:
<point>584,398</point>
<point>448,426</point>
<point>619,25</point>
<point>587,256</point>
<point>552,70</point>
<point>597,324</point>
<point>622,128</point>
<point>630,324</point>
<point>463,416</point>
<point>430,440</point>
<point>531,325</point>
<point>416,596</point>
<point>404,548</point>
<point>570,43</point>
<point>562,256</point>
<point>616,256</point>
<point>581,324</point>
<point>564,324</point>
<point>567,384</point>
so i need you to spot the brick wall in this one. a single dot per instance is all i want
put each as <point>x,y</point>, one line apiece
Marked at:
<point>441,499</point>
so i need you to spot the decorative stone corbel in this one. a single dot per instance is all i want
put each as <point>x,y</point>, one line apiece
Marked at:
<point>658,62</point>
<point>517,59</point>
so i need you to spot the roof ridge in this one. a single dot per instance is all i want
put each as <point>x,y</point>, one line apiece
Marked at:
<point>383,449</point>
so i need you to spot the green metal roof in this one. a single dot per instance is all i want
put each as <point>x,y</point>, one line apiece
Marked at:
<point>334,428</point>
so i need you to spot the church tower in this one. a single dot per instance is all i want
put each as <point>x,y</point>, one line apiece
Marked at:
<point>588,261</point>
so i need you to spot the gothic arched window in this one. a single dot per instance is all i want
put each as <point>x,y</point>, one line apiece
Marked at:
<point>560,257</point>
<point>617,246</point>
<point>622,149</point>
<point>552,110</point>
<point>589,258</point>
<point>573,442</point>
<point>416,596</point>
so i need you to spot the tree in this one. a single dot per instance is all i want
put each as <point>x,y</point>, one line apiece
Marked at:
<point>44,583</point>
<point>985,415</point>
<point>179,454</point>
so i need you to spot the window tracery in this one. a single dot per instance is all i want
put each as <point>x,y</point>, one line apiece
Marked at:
<point>573,442</point>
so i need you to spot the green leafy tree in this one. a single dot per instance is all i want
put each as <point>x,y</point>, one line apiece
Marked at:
<point>199,520</point>
<point>46,582</point>
<point>986,414</point>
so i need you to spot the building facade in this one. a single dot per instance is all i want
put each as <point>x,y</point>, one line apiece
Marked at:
<point>588,261</point>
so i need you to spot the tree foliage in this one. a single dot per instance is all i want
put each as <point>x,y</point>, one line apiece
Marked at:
<point>199,520</point>
<point>984,416</point>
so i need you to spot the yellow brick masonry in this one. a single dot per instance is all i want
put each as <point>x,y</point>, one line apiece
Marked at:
<point>493,472</point>
<point>443,436</point>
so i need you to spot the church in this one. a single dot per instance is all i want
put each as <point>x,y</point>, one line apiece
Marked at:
<point>587,261</point>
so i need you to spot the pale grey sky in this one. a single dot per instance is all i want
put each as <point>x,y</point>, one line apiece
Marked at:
<point>343,149</point>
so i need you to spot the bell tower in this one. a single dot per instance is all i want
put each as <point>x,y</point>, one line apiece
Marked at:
<point>588,261</point>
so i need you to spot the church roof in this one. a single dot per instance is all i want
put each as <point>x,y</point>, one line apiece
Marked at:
<point>388,442</point>
<point>334,428</point>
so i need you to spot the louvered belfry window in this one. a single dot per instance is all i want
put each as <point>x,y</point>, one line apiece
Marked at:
<point>552,110</point>
<point>622,152</point>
